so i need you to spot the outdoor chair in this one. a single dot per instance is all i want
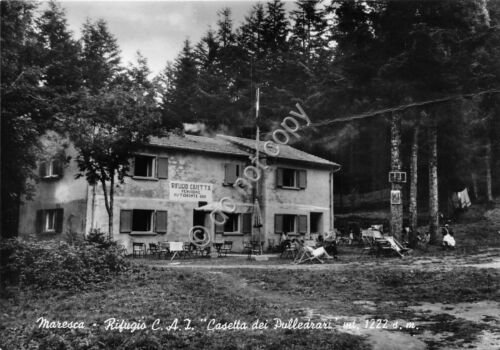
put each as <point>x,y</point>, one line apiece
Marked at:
<point>289,251</point>
<point>369,246</point>
<point>226,248</point>
<point>164,249</point>
<point>187,251</point>
<point>308,254</point>
<point>153,249</point>
<point>383,247</point>
<point>138,249</point>
<point>271,245</point>
<point>396,246</point>
<point>250,248</point>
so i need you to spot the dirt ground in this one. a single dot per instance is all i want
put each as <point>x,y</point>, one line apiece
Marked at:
<point>439,301</point>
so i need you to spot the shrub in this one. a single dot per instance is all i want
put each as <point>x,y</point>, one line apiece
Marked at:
<point>59,265</point>
<point>100,239</point>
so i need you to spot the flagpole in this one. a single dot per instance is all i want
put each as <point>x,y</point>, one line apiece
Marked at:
<point>257,93</point>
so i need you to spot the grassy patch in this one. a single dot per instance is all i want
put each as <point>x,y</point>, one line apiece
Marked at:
<point>144,295</point>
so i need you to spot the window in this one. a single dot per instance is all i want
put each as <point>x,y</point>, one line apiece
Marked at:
<point>50,220</point>
<point>235,224</point>
<point>231,173</point>
<point>142,220</point>
<point>51,169</point>
<point>287,223</point>
<point>152,167</point>
<point>144,166</point>
<point>291,178</point>
<point>232,223</point>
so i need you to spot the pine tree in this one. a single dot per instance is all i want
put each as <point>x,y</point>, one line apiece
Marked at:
<point>178,101</point>
<point>60,54</point>
<point>100,55</point>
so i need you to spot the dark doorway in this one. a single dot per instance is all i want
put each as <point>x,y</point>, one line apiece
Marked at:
<point>199,215</point>
<point>316,221</point>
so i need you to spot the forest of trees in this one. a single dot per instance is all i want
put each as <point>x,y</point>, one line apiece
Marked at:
<point>429,69</point>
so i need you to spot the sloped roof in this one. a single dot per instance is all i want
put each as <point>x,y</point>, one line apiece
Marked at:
<point>286,152</point>
<point>223,144</point>
<point>198,143</point>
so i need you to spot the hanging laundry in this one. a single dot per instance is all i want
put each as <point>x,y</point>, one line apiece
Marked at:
<point>464,199</point>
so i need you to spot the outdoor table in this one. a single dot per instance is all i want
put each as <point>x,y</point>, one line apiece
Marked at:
<point>175,247</point>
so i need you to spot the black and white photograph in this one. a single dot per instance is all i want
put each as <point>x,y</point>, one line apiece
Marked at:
<point>303,174</point>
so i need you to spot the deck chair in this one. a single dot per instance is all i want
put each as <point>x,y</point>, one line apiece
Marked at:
<point>369,246</point>
<point>396,246</point>
<point>308,254</point>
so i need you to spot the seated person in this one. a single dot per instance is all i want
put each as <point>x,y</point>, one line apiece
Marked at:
<point>319,252</point>
<point>320,240</point>
<point>284,241</point>
<point>448,241</point>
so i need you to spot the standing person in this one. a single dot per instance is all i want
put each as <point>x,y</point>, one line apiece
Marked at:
<point>406,235</point>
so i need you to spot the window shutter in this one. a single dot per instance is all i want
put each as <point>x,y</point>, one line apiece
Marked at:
<point>162,171</point>
<point>279,177</point>
<point>125,221</point>
<point>43,169</point>
<point>278,223</point>
<point>219,228</point>
<point>302,178</point>
<point>131,165</point>
<point>247,223</point>
<point>230,173</point>
<point>59,220</point>
<point>57,166</point>
<point>302,223</point>
<point>161,222</point>
<point>39,221</point>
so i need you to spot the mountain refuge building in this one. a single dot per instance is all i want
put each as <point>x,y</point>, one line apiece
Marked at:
<point>174,184</point>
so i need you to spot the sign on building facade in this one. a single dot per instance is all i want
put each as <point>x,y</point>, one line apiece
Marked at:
<point>190,191</point>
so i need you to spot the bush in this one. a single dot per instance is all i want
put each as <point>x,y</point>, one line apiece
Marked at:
<point>100,239</point>
<point>57,264</point>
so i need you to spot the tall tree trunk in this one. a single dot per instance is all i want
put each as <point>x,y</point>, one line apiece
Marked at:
<point>487,161</point>
<point>108,201</point>
<point>414,178</point>
<point>396,208</point>
<point>475,188</point>
<point>111,200</point>
<point>433,183</point>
